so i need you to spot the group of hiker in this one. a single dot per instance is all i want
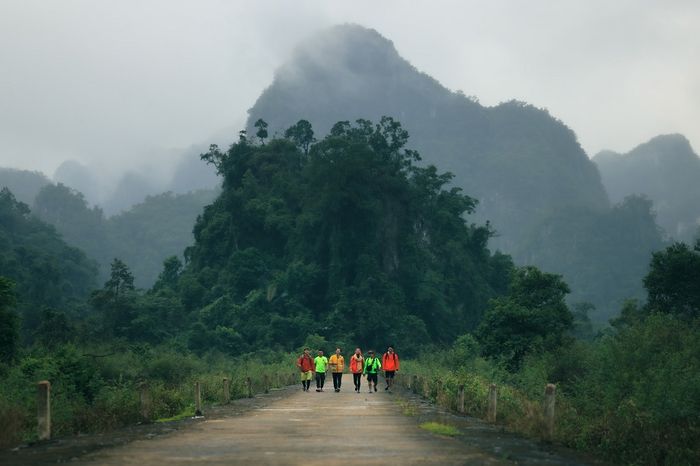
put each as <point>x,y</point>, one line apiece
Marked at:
<point>360,366</point>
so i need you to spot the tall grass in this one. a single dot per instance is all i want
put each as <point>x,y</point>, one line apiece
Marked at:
<point>92,391</point>
<point>633,398</point>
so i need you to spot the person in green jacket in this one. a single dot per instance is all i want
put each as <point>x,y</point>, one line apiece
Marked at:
<point>321,365</point>
<point>372,366</point>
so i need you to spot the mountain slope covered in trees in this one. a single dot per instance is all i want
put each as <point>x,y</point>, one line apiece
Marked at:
<point>349,240</point>
<point>525,167</point>
<point>521,163</point>
<point>667,171</point>
<point>143,236</point>
<point>46,271</point>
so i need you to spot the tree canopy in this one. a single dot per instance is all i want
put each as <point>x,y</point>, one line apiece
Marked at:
<point>353,231</point>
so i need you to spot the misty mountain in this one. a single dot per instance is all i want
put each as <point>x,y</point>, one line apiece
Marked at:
<point>81,178</point>
<point>155,229</point>
<point>23,184</point>
<point>132,188</point>
<point>667,171</point>
<point>179,171</point>
<point>520,162</point>
<point>142,236</point>
<point>533,180</point>
<point>191,174</point>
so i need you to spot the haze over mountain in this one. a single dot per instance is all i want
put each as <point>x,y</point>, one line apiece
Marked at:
<point>23,184</point>
<point>520,162</point>
<point>526,168</point>
<point>667,171</point>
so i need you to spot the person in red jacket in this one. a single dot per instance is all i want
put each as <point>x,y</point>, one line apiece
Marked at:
<point>390,363</point>
<point>306,365</point>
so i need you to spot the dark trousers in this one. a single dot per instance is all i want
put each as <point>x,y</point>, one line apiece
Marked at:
<point>320,379</point>
<point>337,379</point>
<point>357,379</point>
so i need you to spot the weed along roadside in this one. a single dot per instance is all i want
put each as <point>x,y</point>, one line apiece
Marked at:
<point>437,408</point>
<point>34,413</point>
<point>480,400</point>
<point>215,406</point>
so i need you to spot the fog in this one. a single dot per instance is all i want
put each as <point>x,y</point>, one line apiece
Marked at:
<point>124,85</point>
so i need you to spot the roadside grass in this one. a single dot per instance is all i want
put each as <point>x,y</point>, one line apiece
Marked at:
<point>187,412</point>
<point>440,429</point>
<point>407,408</point>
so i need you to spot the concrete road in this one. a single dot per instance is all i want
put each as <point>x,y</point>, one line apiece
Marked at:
<point>304,428</point>
<point>291,427</point>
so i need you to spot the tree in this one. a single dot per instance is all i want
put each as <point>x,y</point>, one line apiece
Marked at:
<point>302,134</point>
<point>172,266</point>
<point>9,323</point>
<point>261,125</point>
<point>120,280</point>
<point>54,328</point>
<point>673,281</point>
<point>117,301</point>
<point>533,315</point>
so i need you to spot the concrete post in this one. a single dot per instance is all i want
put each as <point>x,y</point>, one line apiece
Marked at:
<point>43,409</point>
<point>227,391</point>
<point>493,399</point>
<point>145,398</point>
<point>197,399</point>
<point>460,405</point>
<point>550,392</point>
<point>249,387</point>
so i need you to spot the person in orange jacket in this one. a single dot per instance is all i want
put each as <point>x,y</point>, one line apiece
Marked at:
<point>337,363</point>
<point>306,366</point>
<point>390,363</point>
<point>357,364</point>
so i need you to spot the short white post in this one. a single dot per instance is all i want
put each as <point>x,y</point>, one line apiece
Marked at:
<point>227,392</point>
<point>145,398</point>
<point>493,399</point>
<point>249,387</point>
<point>550,392</point>
<point>43,407</point>
<point>197,399</point>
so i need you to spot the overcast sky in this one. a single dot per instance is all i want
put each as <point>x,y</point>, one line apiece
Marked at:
<point>98,81</point>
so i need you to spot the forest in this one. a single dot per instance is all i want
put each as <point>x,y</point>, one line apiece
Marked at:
<point>346,240</point>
